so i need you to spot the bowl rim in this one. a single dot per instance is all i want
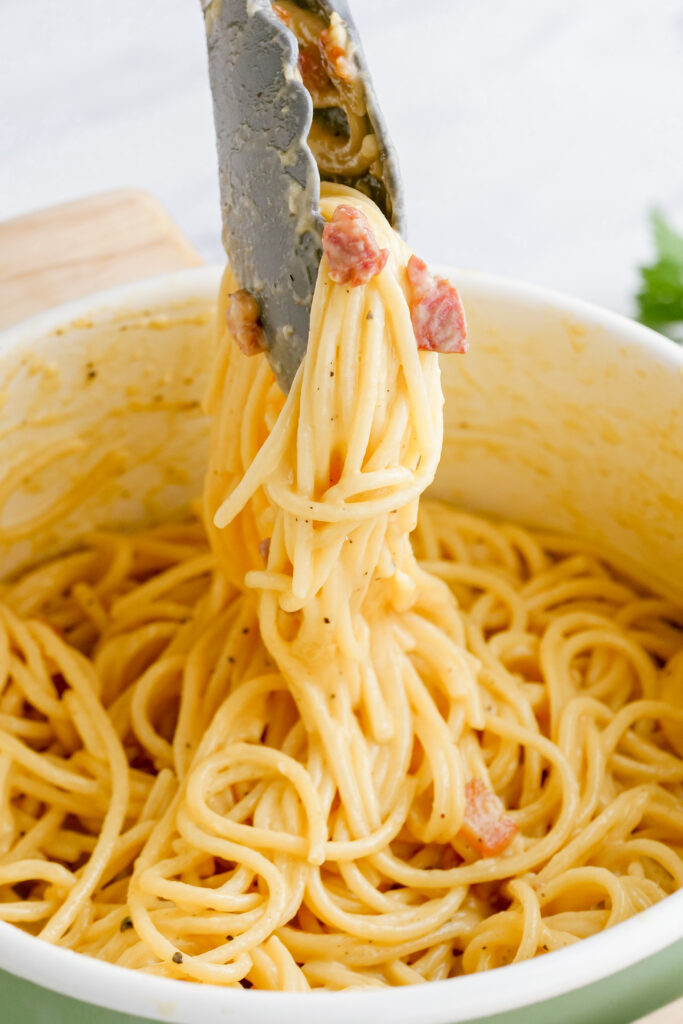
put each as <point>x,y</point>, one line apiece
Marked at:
<point>517,985</point>
<point>590,960</point>
<point>201,283</point>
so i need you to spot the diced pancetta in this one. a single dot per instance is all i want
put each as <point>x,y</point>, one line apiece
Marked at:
<point>486,828</point>
<point>244,322</point>
<point>435,310</point>
<point>352,252</point>
<point>284,15</point>
<point>334,42</point>
<point>313,72</point>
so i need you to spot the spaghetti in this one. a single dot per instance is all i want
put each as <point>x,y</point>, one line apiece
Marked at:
<point>265,751</point>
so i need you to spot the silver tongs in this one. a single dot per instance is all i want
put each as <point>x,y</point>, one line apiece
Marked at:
<point>269,178</point>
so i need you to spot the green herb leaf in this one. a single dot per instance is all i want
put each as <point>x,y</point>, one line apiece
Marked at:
<point>660,299</point>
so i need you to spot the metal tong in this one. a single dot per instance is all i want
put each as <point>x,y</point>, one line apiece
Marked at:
<point>269,179</point>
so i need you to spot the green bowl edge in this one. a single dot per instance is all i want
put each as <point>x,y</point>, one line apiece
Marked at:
<point>618,999</point>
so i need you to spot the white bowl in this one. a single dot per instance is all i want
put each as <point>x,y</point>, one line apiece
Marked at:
<point>562,416</point>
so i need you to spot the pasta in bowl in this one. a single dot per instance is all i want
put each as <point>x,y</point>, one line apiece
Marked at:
<point>408,879</point>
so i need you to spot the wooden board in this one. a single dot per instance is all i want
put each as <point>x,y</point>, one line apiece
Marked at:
<point>68,251</point>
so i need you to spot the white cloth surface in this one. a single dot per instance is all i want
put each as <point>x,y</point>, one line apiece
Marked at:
<point>534,135</point>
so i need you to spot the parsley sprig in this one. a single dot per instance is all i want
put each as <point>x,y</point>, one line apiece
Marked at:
<point>660,299</point>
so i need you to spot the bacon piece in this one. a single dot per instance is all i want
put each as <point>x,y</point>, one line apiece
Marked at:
<point>486,828</point>
<point>333,41</point>
<point>244,323</point>
<point>351,248</point>
<point>313,72</point>
<point>435,310</point>
<point>284,16</point>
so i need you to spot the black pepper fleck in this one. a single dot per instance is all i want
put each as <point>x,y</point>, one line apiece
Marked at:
<point>177,958</point>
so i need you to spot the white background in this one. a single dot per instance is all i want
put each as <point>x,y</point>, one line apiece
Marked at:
<point>534,135</point>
